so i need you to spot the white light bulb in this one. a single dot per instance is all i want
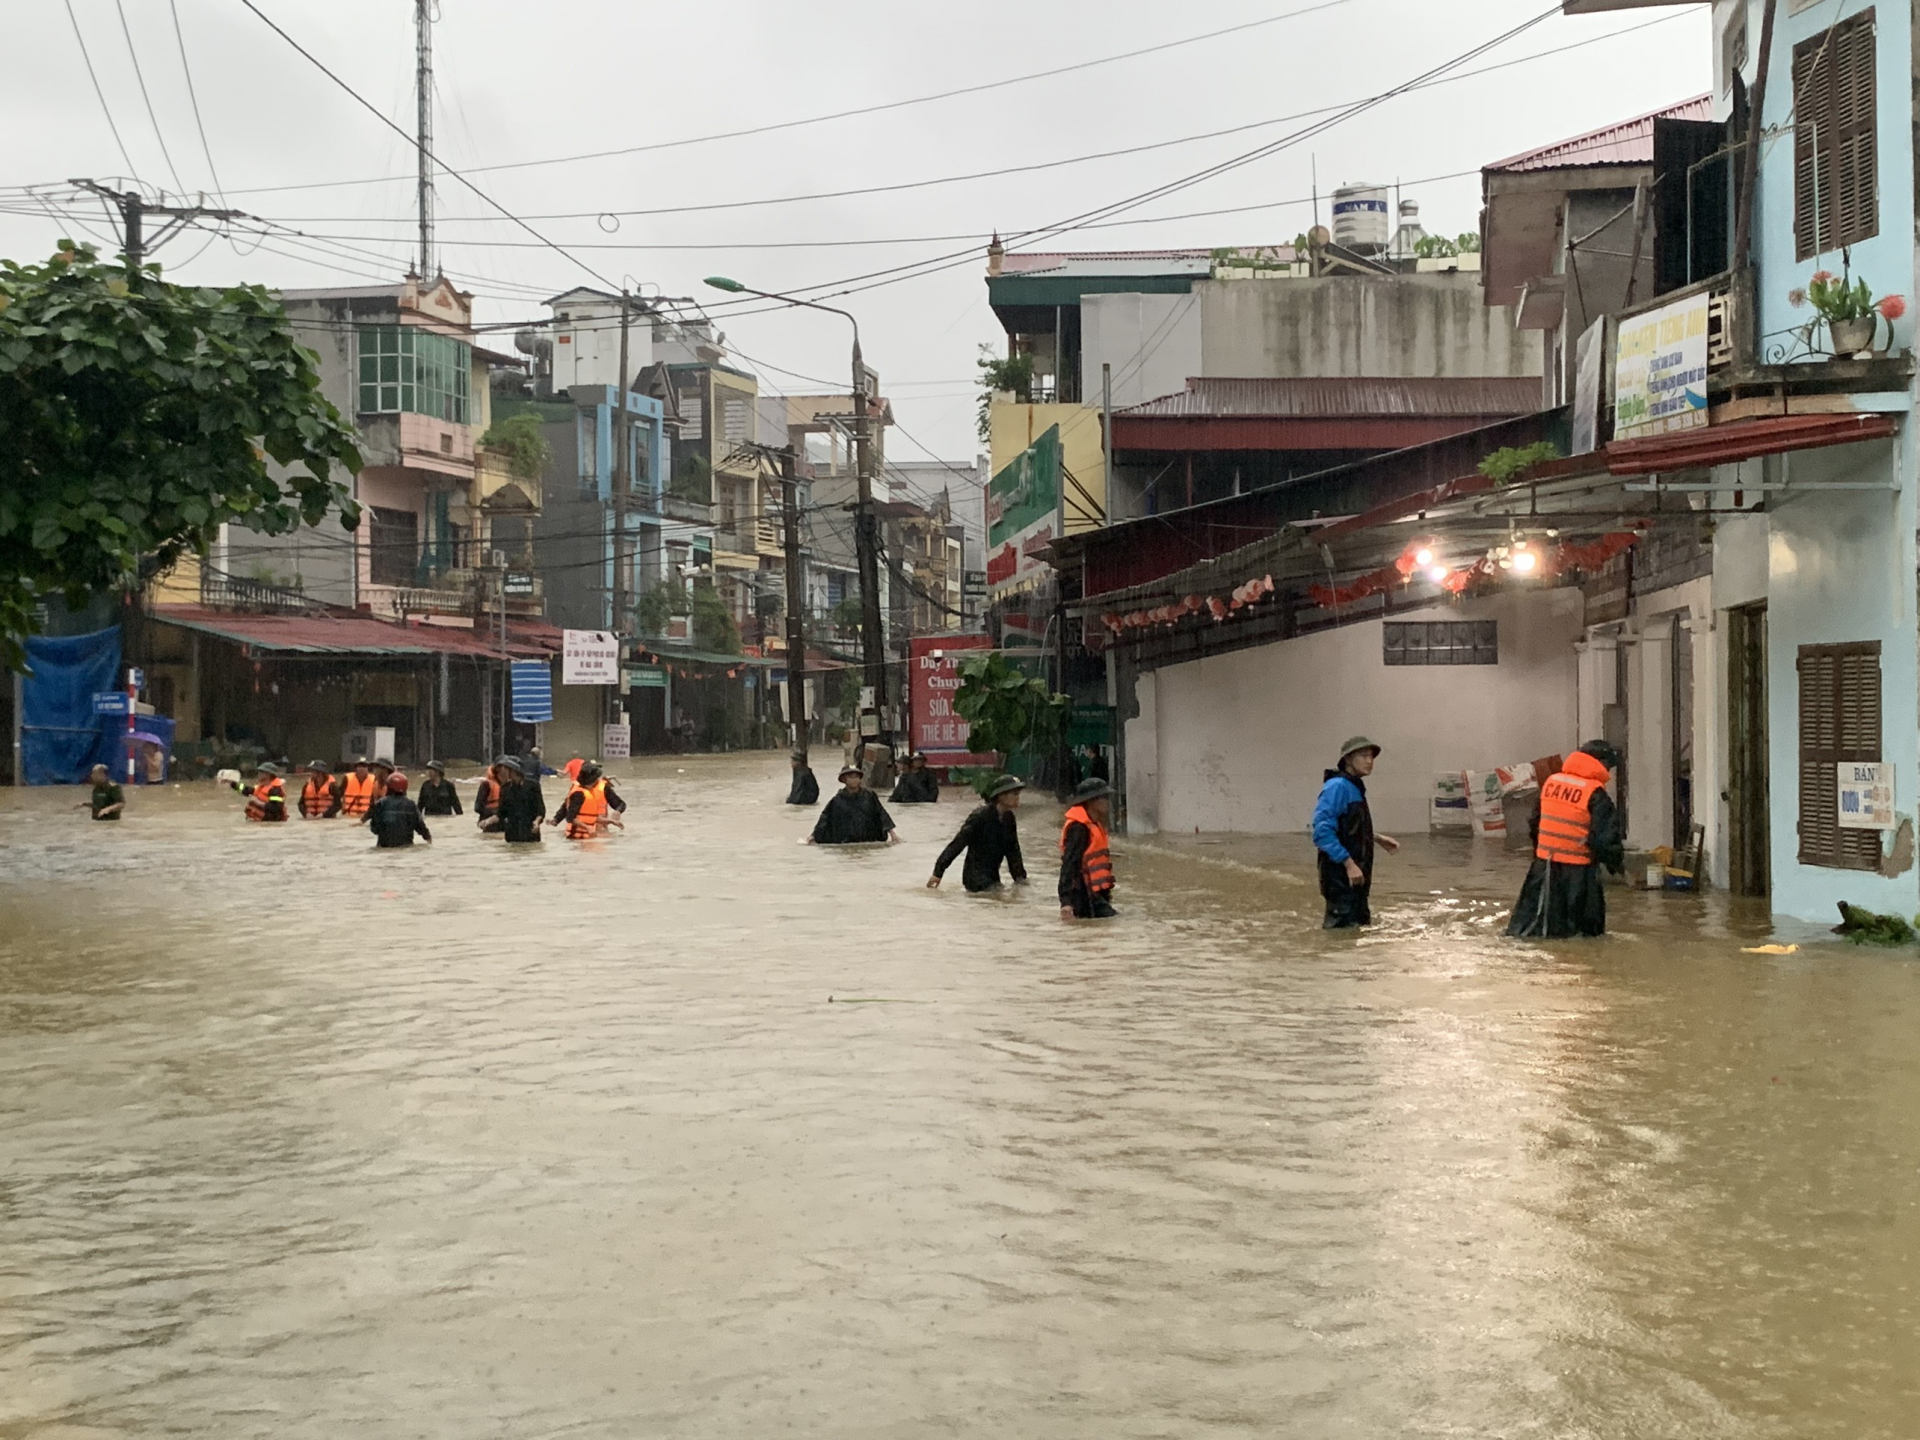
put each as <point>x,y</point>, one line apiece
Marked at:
<point>1437,574</point>
<point>1423,556</point>
<point>1524,562</point>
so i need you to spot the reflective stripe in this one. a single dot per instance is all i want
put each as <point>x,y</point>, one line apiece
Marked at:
<point>258,803</point>
<point>1096,867</point>
<point>593,810</point>
<point>1566,820</point>
<point>357,795</point>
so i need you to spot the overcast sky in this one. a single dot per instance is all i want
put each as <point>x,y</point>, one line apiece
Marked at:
<point>519,82</point>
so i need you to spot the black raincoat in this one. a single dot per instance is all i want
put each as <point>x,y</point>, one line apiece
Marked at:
<point>852,818</point>
<point>990,836</point>
<point>917,787</point>
<point>395,820</point>
<point>806,789</point>
<point>1562,900</point>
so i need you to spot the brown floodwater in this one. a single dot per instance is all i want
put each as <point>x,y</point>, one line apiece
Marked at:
<point>695,1132</point>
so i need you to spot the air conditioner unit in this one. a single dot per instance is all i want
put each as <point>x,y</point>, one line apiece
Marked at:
<point>497,559</point>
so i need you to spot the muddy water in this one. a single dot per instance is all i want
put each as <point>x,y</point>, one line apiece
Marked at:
<point>698,1133</point>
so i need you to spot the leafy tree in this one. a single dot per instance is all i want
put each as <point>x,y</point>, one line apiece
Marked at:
<point>713,624</point>
<point>657,606</point>
<point>1513,462</point>
<point>1007,710</point>
<point>139,416</point>
<point>521,439</point>
<point>1014,373</point>
<point>691,480</point>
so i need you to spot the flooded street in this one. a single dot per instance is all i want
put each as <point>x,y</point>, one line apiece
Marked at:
<point>698,1133</point>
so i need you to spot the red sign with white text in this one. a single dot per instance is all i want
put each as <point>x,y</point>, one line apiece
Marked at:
<point>933,679</point>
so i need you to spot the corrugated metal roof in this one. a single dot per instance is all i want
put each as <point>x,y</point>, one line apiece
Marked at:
<point>1628,143</point>
<point>338,634</point>
<point>1109,262</point>
<point>1338,398</point>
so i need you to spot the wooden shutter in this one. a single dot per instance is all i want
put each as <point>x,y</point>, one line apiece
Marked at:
<point>1836,198</point>
<point>1839,721</point>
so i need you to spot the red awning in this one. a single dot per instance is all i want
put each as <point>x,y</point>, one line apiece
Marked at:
<point>335,633</point>
<point>1742,440</point>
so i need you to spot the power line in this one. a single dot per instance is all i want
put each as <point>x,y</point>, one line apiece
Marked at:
<point>371,109</point>
<point>87,56</point>
<point>141,75</point>
<point>193,95</point>
<point>838,114</point>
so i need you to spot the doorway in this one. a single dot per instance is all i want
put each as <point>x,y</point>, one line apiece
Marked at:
<point>1681,650</point>
<point>1749,809</point>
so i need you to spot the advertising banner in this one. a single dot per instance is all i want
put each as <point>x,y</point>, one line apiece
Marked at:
<point>1023,506</point>
<point>589,657</point>
<point>933,678</point>
<point>1660,371</point>
<point>1866,795</point>
<point>616,742</point>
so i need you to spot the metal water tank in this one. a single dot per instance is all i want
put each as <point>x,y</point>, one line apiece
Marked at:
<point>1361,218</point>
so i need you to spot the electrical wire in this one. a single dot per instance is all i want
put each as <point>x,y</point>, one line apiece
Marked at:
<point>105,109</point>
<point>139,74</point>
<point>180,39</point>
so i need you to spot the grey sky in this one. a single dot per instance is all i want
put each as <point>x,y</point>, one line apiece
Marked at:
<point>528,82</point>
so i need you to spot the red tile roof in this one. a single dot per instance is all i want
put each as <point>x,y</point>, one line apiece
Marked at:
<point>1628,143</point>
<point>342,633</point>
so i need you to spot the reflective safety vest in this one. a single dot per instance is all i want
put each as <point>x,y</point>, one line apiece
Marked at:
<point>593,810</point>
<point>265,791</point>
<point>1096,866</point>
<point>316,796</point>
<point>1565,814</point>
<point>357,794</point>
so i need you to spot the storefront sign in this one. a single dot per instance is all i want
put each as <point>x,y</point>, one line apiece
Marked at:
<point>1660,371</point>
<point>932,681</point>
<point>616,742</point>
<point>589,657</point>
<point>515,584</point>
<point>1866,795</point>
<point>646,677</point>
<point>1023,504</point>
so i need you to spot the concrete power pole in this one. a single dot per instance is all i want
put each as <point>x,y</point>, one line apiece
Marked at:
<point>796,602</point>
<point>423,129</point>
<point>621,445</point>
<point>866,535</point>
<point>136,244</point>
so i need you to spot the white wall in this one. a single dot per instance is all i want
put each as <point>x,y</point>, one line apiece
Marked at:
<point>1152,342</point>
<point>1240,742</point>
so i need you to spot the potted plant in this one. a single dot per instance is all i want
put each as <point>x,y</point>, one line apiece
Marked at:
<point>1847,305</point>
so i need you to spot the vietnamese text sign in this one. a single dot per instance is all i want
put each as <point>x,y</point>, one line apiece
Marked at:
<point>1866,795</point>
<point>616,742</point>
<point>646,677</point>
<point>532,691</point>
<point>1023,503</point>
<point>933,679</point>
<point>1660,370</point>
<point>589,657</point>
<point>110,702</point>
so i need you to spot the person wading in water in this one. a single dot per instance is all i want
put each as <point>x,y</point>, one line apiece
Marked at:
<point>1343,834</point>
<point>1576,830</point>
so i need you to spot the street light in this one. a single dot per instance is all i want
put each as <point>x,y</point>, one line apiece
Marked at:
<point>866,545</point>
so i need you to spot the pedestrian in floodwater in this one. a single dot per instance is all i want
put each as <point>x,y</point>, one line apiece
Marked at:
<point>320,796</point>
<point>395,819</point>
<point>437,794</point>
<point>1086,862</point>
<point>990,835</point>
<point>591,804</point>
<point>1576,830</point>
<point>359,790</point>
<point>486,799</point>
<point>522,809</point>
<point>267,796</point>
<point>108,801</point>
<point>853,817</point>
<point>1343,834</point>
<point>917,784</point>
<point>806,789</point>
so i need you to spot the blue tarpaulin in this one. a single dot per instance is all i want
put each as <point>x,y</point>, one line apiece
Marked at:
<point>61,739</point>
<point>533,691</point>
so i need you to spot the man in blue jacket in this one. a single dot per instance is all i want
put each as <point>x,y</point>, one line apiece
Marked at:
<point>1343,834</point>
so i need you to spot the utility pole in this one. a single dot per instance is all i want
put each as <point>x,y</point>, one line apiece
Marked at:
<point>866,537</point>
<point>135,207</point>
<point>1106,435</point>
<point>621,443</point>
<point>423,130</point>
<point>796,602</point>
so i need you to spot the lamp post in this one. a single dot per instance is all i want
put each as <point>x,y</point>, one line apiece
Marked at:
<point>865,536</point>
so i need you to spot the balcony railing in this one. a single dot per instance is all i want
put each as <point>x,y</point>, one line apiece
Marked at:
<point>221,591</point>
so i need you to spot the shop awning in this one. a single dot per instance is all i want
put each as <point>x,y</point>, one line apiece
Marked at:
<point>334,633</point>
<point>1743,440</point>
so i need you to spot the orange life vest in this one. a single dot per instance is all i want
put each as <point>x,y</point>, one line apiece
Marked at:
<point>593,810</point>
<point>1565,817</point>
<point>316,796</point>
<point>1097,864</point>
<point>357,794</point>
<point>486,799</point>
<point>265,790</point>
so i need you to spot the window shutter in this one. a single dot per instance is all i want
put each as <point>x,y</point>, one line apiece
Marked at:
<point>1839,722</point>
<point>1835,139</point>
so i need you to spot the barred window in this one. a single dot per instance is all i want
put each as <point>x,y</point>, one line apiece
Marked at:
<point>1441,642</point>
<point>406,368</point>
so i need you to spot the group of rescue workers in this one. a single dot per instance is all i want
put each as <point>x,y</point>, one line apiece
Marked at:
<point>1575,827</point>
<point>508,803</point>
<point>989,836</point>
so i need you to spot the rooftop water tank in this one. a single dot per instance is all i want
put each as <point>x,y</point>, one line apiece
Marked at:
<point>1361,218</point>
